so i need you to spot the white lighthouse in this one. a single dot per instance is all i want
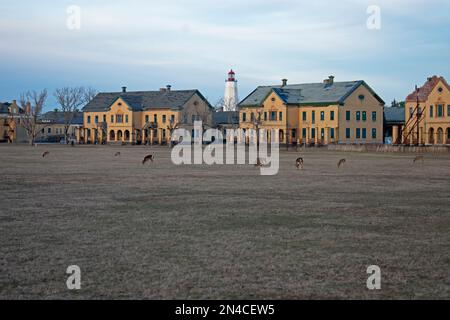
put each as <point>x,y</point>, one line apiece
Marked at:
<point>230,99</point>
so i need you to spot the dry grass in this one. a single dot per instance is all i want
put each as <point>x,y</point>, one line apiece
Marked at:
<point>161,231</point>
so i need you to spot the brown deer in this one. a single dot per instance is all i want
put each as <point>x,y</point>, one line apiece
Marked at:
<point>340,163</point>
<point>419,158</point>
<point>117,154</point>
<point>46,153</point>
<point>299,163</point>
<point>148,158</point>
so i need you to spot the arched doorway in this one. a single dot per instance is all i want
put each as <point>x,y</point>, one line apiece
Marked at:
<point>431,136</point>
<point>112,135</point>
<point>119,135</point>
<point>448,136</point>
<point>127,135</point>
<point>440,136</point>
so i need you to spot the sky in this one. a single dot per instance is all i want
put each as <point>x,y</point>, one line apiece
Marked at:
<point>191,44</point>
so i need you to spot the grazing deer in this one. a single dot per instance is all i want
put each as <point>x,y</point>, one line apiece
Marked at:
<point>148,158</point>
<point>299,163</point>
<point>340,163</point>
<point>46,153</point>
<point>117,154</point>
<point>418,158</point>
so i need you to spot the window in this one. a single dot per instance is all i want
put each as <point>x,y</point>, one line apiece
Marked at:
<point>411,111</point>
<point>273,116</point>
<point>119,118</point>
<point>193,118</point>
<point>347,133</point>
<point>112,119</point>
<point>448,111</point>
<point>374,133</point>
<point>431,112</point>
<point>164,118</point>
<point>332,132</point>
<point>89,119</point>
<point>347,115</point>
<point>313,133</point>
<point>440,111</point>
<point>244,117</point>
<point>164,132</point>
<point>104,118</point>
<point>172,118</point>
<point>49,130</point>
<point>146,118</point>
<point>155,118</point>
<point>313,117</point>
<point>322,133</point>
<point>96,119</point>
<point>304,116</point>
<point>252,117</point>
<point>358,133</point>
<point>294,134</point>
<point>331,115</point>
<point>265,116</point>
<point>304,133</point>
<point>280,116</point>
<point>322,115</point>
<point>364,116</point>
<point>364,133</point>
<point>374,116</point>
<point>358,115</point>
<point>126,118</point>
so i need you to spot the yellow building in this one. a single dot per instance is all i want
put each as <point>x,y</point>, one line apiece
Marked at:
<point>427,114</point>
<point>142,117</point>
<point>316,113</point>
<point>10,129</point>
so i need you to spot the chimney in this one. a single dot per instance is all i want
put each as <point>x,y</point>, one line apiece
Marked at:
<point>124,89</point>
<point>283,82</point>
<point>168,87</point>
<point>330,79</point>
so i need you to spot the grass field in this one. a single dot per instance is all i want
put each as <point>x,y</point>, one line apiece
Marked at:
<point>162,231</point>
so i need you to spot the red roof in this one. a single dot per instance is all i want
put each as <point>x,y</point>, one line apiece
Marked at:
<point>426,89</point>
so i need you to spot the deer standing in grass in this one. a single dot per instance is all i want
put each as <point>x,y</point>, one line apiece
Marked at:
<point>299,163</point>
<point>148,158</point>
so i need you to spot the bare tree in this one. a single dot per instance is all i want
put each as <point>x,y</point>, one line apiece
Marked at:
<point>172,127</point>
<point>70,99</point>
<point>32,103</point>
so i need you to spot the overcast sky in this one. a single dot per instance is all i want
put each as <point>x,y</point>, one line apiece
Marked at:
<point>145,45</point>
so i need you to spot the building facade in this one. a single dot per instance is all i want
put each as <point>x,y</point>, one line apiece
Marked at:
<point>143,117</point>
<point>10,129</point>
<point>53,123</point>
<point>316,113</point>
<point>427,114</point>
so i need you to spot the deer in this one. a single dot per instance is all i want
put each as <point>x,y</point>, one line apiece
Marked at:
<point>46,153</point>
<point>299,163</point>
<point>340,163</point>
<point>419,158</point>
<point>148,158</point>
